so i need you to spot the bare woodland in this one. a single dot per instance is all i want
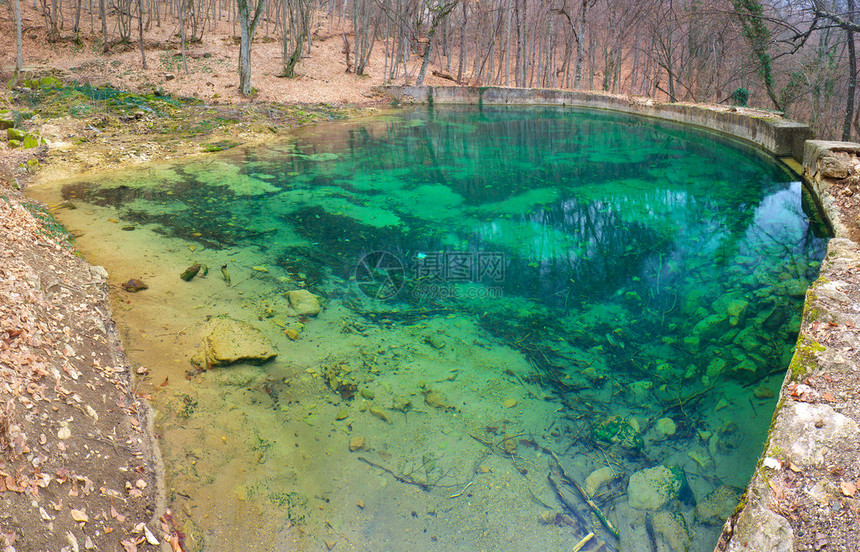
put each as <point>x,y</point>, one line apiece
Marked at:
<point>792,56</point>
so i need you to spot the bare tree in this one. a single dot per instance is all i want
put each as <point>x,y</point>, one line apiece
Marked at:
<point>19,49</point>
<point>366,26</point>
<point>438,10</point>
<point>248,17</point>
<point>852,75</point>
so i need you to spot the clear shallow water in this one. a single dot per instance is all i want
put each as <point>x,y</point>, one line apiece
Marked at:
<point>502,285</point>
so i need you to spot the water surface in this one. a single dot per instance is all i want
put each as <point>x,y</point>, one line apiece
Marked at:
<point>506,292</point>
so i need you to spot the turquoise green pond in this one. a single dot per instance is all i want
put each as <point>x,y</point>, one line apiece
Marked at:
<point>513,300</point>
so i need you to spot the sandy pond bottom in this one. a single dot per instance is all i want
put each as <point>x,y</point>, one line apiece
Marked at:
<point>419,425</point>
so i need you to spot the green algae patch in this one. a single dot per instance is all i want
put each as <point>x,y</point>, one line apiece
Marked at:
<point>803,361</point>
<point>618,430</point>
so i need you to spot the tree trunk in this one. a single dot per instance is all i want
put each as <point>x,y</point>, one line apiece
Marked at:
<point>580,46</point>
<point>182,10</point>
<point>77,27</point>
<point>507,51</point>
<point>852,77</point>
<point>103,15</point>
<point>247,26</point>
<point>19,51</point>
<point>426,61</point>
<point>463,47</point>
<point>140,31</point>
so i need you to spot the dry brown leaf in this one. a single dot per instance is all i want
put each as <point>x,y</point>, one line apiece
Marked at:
<point>129,545</point>
<point>848,488</point>
<point>778,489</point>
<point>176,544</point>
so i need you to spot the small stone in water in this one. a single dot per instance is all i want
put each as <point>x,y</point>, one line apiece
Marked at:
<point>435,341</point>
<point>509,403</point>
<point>134,285</point>
<point>342,415</point>
<point>358,443</point>
<point>665,427</point>
<point>380,413</point>
<point>763,392</point>
<point>190,272</point>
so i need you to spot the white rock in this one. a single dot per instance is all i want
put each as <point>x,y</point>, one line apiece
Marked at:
<point>772,463</point>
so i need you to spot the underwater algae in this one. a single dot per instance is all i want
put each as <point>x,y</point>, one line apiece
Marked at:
<point>512,299</point>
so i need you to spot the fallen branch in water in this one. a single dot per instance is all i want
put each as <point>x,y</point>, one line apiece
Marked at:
<point>395,475</point>
<point>405,478</point>
<point>587,499</point>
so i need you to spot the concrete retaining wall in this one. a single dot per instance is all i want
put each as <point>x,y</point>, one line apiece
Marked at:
<point>773,133</point>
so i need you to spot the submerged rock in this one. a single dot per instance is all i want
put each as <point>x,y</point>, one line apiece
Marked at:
<point>304,303</point>
<point>229,341</point>
<point>671,531</point>
<point>597,478</point>
<point>134,285</point>
<point>794,288</point>
<point>664,427</point>
<point>358,443</point>
<point>189,273</point>
<point>653,488</point>
<point>734,306</point>
<point>711,326</point>
<point>716,508</point>
<point>618,430</point>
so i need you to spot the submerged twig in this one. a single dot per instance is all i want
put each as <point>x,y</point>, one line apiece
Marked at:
<point>587,499</point>
<point>410,481</point>
<point>395,475</point>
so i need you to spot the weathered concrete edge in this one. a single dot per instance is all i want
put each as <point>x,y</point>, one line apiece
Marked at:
<point>776,135</point>
<point>806,430</point>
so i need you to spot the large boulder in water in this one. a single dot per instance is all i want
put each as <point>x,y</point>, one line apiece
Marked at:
<point>653,488</point>
<point>229,341</point>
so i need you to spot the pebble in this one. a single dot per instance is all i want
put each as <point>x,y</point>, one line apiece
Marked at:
<point>380,413</point>
<point>357,443</point>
